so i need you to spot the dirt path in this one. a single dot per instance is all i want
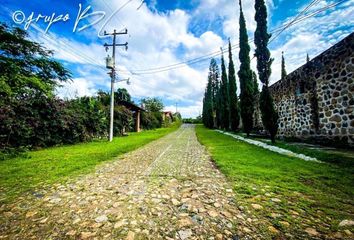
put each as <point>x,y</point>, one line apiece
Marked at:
<point>168,189</point>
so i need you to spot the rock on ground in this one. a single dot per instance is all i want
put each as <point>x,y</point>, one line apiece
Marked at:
<point>167,189</point>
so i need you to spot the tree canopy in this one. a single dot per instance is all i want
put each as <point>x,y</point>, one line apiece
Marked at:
<point>152,104</point>
<point>31,116</point>
<point>26,67</point>
<point>234,112</point>
<point>224,97</point>
<point>261,39</point>
<point>283,70</point>
<point>210,100</point>
<point>264,62</point>
<point>247,98</point>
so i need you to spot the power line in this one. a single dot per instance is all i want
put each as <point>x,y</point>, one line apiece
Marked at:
<point>74,51</point>
<point>115,12</point>
<point>67,48</point>
<point>142,2</point>
<point>77,53</point>
<point>217,53</point>
<point>313,3</point>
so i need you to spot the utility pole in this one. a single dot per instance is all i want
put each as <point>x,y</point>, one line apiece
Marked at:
<point>176,106</point>
<point>110,63</point>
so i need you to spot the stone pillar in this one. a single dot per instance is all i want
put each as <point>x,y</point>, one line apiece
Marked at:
<point>137,122</point>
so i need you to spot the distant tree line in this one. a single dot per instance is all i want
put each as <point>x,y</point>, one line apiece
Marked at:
<point>222,108</point>
<point>197,120</point>
<point>31,116</point>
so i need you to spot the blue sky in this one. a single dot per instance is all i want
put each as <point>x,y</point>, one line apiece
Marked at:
<point>163,33</point>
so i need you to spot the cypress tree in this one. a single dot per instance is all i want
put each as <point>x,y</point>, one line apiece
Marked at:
<point>210,100</point>
<point>215,86</point>
<point>234,112</point>
<point>219,108</point>
<point>255,84</point>
<point>264,62</point>
<point>307,57</point>
<point>204,111</point>
<point>208,104</point>
<point>283,71</point>
<point>224,96</point>
<point>245,76</point>
<point>256,115</point>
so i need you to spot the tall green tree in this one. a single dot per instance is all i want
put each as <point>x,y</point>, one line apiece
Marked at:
<point>26,68</point>
<point>256,114</point>
<point>283,71</point>
<point>208,119</point>
<point>218,108</point>
<point>152,118</point>
<point>245,76</point>
<point>122,94</point>
<point>264,62</point>
<point>234,112</point>
<point>210,100</point>
<point>152,104</point>
<point>215,87</point>
<point>30,115</point>
<point>307,57</point>
<point>224,97</point>
<point>255,83</point>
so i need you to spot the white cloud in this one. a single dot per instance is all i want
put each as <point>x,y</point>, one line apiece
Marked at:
<point>313,36</point>
<point>78,87</point>
<point>155,40</point>
<point>70,50</point>
<point>228,11</point>
<point>202,45</point>
<point>188,111</point>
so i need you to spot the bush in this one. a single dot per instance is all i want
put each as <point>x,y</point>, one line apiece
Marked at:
<point>39,121</point>
<point>30,121</point>
<point>30,114</point>
<point>177,117</point>
<point>123,120</point>
<point>151,120</point>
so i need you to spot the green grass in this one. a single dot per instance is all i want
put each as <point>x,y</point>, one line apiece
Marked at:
<point>342,157</point>
<point>322,155</point>
<point>57,164</point>
<point>322,193</point>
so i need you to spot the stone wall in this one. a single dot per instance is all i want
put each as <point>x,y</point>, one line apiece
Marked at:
<point>317,100</point>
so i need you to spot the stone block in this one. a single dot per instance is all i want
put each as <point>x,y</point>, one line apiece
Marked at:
<point>336,118</point>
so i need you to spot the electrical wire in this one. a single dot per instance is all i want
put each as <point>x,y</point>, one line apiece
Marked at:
<point>313,3</point>
<point>77,53</point>
<point>133,65</point>
<point>74,51</point>
<point>218,53</point>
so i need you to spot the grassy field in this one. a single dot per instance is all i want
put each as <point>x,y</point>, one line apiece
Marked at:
<point>342,157</point>
<point>56,164</point>
<point>296,196</point>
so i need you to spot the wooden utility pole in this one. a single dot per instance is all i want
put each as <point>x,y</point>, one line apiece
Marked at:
<point>113,74</point>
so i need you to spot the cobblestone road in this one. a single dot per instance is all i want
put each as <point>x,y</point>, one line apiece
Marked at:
<point>168,189</point>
